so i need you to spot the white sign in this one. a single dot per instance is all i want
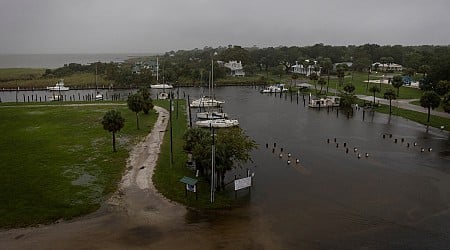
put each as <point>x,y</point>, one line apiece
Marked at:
<point>242,183</point>
<point>192,188</point>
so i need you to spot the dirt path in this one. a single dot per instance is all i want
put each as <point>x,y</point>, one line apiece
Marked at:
<point>135,216</point>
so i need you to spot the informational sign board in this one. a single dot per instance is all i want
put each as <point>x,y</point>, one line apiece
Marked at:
<point>192,188</point>
<point>242,183</point>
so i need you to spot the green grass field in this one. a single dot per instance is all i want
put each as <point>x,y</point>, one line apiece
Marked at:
<point>57,161</point>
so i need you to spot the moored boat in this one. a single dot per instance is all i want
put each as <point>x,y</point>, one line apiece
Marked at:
<point>204,102</point>
<point>161,86</point>
<point>211,115</point>
<point>275,89</point>
<point>329,101</point>
<point>218,123</point>
<point>59,86</point>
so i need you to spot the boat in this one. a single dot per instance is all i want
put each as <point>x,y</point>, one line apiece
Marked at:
<point>211,115</point>
<point>59,86</point>
<point>275,89</point>
<point>163,96</point>
<point>218,123</point>
<point>206,102</point>
<point>161,86</point>
<point>99,97</point>
<point>329,101</point>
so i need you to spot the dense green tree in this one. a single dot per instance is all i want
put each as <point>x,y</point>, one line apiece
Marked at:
<point>446,103</point>
<point>390,95</point>
<point>113,122</point>
<point>430,100</point>
<point>424,69</point>
<point>232,147</point>
<point>135,103</point>
<point>442,87</point>
<point>397,82</point>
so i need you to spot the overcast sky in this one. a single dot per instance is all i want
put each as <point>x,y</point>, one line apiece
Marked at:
<point>152,26</point>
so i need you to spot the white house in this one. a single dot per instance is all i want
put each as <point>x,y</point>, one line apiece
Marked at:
<point>235,67</point>
<point>301,69</point>
<point>387,66</point>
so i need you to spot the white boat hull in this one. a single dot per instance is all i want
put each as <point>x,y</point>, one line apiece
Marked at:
<point>161,86</point>
<point>206,102</point>
<point>212,115</point>
<point>219,123</point>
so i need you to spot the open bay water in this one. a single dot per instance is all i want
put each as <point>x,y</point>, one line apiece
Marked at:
<point>52,61</point>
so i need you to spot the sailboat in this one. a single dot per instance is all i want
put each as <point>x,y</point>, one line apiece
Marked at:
<point>206,101</point>
<point>98,96</point>
<point>216,119</point>
<point>162,86</point>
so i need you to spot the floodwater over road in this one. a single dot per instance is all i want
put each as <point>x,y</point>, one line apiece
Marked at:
<point>397,197</point>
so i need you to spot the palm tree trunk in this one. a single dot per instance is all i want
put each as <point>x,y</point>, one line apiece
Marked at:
<point>114,141</point>
<point>390,106</point>
<point>137,120</point>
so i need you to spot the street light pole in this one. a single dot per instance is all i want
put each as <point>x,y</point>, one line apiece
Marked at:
<point>213,163</point>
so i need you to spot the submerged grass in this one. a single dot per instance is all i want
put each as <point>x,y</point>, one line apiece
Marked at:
<point>57,161</point>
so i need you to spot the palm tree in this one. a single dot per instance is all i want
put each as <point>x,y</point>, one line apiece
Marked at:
<point>321,82</point>
<point>147,104</point>
<point>113,122</point>
<point>349,88</point>
<point>136,104</point>
<point>430,100</point>
<point>446,103</point>
<point>397,82</point>
<point>374,89</point>
<point>390,95</point>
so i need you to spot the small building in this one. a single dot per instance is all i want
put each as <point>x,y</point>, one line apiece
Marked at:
<point>387,67</point>
<point>305,70</point>
<point>235,68</point>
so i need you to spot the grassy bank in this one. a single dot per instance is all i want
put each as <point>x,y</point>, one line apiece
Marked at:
<point>57,162</point>
<point>435,121</point>
<point>167,177</point>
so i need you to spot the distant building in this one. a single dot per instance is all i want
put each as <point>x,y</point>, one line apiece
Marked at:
<point>387,67</point>
<point>305,70</point>
<point>235,68</point>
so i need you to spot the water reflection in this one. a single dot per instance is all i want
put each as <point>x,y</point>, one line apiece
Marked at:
<point>396,197</point>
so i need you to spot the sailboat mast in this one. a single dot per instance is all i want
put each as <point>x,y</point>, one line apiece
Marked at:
<point>157,69</point>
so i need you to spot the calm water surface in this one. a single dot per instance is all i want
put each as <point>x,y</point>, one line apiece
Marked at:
<point>398,197</point>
